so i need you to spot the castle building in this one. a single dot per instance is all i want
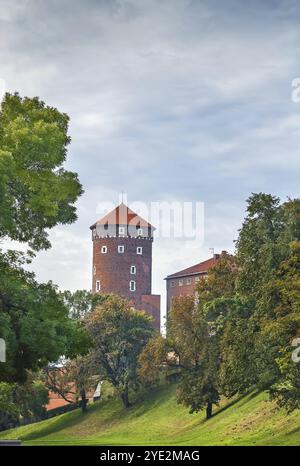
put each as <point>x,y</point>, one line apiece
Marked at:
<point>122,259</point>
<point>183,283</point>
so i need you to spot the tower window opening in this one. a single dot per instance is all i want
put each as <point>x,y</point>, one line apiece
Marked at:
<point>121,230</point>
<point>104,250</point>
<point>121,249</point>
<point>132,285</point>
<point>98,285</point>
<point>133,270</point>
<point>139,250</point>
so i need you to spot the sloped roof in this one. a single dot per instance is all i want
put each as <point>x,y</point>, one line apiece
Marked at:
<point>122,215</point>
<point>202,267</point>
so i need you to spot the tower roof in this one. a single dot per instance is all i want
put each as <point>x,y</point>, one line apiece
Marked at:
<point>122,215</point>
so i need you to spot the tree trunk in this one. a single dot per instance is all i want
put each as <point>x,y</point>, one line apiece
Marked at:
<point>208,410</point>
<point>125,400</point>
<point>83,401</point>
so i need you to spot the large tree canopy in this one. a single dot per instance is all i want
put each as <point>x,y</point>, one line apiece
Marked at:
<point>36,192</point>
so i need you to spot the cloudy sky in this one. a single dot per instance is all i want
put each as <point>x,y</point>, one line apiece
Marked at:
<point>169,100</point>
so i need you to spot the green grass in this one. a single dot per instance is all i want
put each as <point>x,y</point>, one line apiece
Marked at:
<point>158,420</point>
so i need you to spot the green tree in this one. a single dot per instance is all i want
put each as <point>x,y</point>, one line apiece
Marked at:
<point>191,350</point>
<point>80,302</point>
<point>36,325</point>
<point>286,328</point>
<point>36,192</point>
<point>72,379</point>
<point>119,334</point>
<point>8,409</point>
<point>155,359</point>
<point>263,315</point>
<point>196,345</point>
<point>31,397</point>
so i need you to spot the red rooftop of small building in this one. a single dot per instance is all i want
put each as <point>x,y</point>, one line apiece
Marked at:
<point>201,267</point>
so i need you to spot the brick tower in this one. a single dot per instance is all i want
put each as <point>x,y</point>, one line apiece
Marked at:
<point>122,259</point>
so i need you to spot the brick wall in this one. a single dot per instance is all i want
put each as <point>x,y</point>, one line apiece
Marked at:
<point>113,269</point>
<point>151,305</point>
<point>182,286</point>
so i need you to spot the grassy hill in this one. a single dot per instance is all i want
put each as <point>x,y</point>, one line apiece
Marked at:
<point>251,420</point>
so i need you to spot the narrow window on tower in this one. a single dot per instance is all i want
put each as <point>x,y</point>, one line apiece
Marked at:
<point>121,230</point>
<point>98,285</point>
<point>121,249</point>
<point>94,270</point>
<point>132,285</point>
<point>139,250</point>
<point>140,232</point>
<point>133,270</point>
<point>103,249</point>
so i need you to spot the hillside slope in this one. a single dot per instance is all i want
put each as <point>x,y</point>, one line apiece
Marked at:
<point>251,420</point>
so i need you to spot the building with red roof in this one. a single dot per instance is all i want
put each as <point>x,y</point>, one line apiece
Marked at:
<point>183,283</point>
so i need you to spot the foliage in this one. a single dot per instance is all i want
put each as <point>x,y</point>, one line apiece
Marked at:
<point>157,419</point>
<point>119,334</point>
<point>80,302</point>
<point>31,397</point>
<point>18,401</point>
<point>238,336</point>
<point>72,379</point>
<point>36,192</point>
<point>155,355</point>
<point>7,405</point>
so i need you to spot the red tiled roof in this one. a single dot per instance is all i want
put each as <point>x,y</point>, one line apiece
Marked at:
<point>202,267</point>
<point>122,215</point>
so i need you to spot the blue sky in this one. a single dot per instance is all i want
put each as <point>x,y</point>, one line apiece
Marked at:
<point>174,100</point>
